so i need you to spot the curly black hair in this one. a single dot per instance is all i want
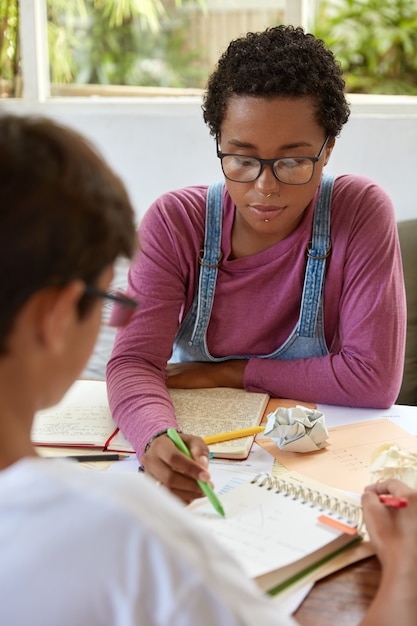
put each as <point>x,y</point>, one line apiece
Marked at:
<point>279,61</point>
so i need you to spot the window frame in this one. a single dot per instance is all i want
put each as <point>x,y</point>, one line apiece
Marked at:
<point>37,88</point>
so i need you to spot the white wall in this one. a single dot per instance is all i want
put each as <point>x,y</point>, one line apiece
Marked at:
<point>157,145</point>
<point>384,148</point>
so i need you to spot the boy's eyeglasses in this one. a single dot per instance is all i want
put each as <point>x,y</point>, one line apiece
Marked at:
<point>120,315</point>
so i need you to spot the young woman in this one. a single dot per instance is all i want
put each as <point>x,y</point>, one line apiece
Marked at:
<point>281,279</point>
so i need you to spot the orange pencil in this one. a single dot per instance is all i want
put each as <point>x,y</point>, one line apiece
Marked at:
<point>233,434</point>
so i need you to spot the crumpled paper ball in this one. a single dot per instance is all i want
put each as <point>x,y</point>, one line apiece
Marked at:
<point>390,461</point>
<point>297,429</point>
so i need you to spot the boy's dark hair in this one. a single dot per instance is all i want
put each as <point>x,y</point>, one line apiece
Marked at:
<point>64,214</point>
<point>279,62</point>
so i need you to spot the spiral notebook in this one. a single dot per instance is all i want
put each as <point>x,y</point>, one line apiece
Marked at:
<point>280,529</point>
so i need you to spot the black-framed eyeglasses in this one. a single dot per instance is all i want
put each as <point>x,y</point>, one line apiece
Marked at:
<point>120,315</point>
<point>294,170</point>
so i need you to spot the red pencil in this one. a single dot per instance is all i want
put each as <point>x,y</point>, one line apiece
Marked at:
<point>393,501</point>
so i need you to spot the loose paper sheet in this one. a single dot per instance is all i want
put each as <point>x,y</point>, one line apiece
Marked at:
<point>345,462</point>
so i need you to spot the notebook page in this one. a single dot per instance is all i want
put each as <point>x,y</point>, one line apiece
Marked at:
<point>266,530</point>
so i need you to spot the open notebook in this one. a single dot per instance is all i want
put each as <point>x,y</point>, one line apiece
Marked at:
<point>83,418</point>
<point>282,529</point>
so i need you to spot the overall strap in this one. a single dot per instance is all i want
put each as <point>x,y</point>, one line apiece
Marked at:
<point>317,252</point>
<point>209,259</point>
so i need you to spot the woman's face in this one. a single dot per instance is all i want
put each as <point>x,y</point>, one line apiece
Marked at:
<point>271,129</point>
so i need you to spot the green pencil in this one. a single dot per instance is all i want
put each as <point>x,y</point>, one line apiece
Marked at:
<point>205,487</point>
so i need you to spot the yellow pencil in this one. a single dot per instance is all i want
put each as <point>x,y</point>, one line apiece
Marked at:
<point>233,434</point>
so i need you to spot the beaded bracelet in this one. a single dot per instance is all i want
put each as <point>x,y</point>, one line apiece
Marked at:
<point>155,436</point>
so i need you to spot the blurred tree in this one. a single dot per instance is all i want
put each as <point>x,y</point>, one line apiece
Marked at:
<point>375,42</point>
<point>119,42</point>
<point>9,47</point>
<point>107,48</point>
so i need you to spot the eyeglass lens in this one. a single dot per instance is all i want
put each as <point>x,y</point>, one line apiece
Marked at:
<point>120,315</point>
<point>122,309</point>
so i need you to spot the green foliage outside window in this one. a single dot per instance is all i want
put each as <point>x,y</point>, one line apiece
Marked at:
<point>129,42</point>
<point>375,42</point>
<point>108,42</point>
<point>145,42</point>
<point>9,46</point>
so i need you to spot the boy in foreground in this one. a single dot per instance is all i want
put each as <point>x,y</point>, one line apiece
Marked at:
<point>81,547</point>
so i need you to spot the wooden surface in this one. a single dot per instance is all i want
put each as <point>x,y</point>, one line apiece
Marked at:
<point>341,598</point>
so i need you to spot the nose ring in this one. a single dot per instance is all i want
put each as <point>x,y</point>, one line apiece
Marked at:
<point>267,195</point>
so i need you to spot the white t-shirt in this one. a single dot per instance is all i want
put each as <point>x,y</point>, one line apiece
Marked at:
<point>85,548</point>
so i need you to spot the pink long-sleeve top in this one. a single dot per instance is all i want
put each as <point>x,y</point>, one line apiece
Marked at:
<point>256,306</point>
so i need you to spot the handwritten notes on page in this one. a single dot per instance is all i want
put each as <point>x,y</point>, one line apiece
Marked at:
<point>82,418</point>
<point>216,410</point>
<point>272,529</point>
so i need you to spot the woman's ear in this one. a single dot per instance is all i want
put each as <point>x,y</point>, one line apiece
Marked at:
<point>58,313</point>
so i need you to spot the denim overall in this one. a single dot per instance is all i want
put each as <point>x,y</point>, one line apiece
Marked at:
<point>307,339</point>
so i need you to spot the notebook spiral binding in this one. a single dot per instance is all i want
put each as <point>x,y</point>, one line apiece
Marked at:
<point>333,506</point>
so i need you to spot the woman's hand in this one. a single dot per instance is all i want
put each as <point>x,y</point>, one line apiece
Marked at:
<point>196,374</point>
<point>173,469</point>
